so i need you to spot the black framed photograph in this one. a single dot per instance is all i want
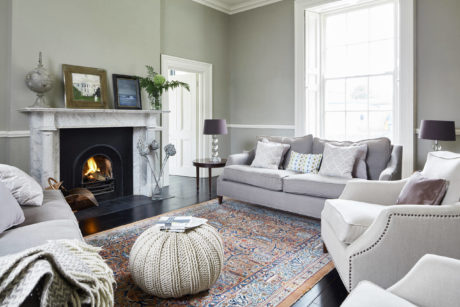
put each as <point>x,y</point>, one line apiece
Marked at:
<point>126,92</point>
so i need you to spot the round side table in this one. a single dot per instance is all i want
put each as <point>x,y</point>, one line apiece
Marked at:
<point>209,164</point>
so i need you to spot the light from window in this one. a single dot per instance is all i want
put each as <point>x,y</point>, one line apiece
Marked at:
<point>358,72</point>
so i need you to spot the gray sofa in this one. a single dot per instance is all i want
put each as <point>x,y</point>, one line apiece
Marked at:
<point>53,220</point>
<point>301,193</point>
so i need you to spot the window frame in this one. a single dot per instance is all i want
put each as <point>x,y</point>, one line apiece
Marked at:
<point>404,125</point>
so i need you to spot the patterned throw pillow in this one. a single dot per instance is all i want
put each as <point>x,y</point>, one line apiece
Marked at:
<point>338,161</point>
<point>304,163</point>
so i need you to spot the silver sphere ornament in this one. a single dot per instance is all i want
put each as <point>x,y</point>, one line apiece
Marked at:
<point>40,82</point>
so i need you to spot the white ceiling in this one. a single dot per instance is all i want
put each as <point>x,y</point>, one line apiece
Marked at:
<point>235,6</point>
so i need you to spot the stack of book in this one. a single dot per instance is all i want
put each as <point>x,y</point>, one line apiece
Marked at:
<point>179,223</point>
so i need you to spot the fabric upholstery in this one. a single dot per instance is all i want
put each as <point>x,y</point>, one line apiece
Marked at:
<point>244,158</point>
<point>378,153</point>
<point>23,187</point>
<point>315,185</point>
<point>367,294</point>
<point>21,238</point>
<point>271,179</point>
<point>375,192</point>
<point>393,171</point>
<point>286,148</point>
<point>54,207</point>
<point>10,211</point>
<point>268,155</point>
<point>299,204</point>
<point>339,161</point>
<point>422,191</point>
<point>445,165</point>
<point>302,144</point>
<point>349,219</point>
<point>304,163</point>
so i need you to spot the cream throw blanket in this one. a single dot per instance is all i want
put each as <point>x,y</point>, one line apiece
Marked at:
<point>68,273</point>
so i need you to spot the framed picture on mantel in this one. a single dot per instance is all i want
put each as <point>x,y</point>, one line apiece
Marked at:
<point>85,87</point>
<point>126,92</point>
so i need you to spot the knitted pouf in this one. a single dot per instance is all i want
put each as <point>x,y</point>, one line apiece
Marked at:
<point>170,264</point>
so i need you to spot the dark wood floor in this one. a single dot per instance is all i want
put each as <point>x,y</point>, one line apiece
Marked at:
<point>328,292</point>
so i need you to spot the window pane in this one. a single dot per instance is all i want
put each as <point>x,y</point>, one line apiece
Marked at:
<point>335,30</point>
<point>335,95</point>
<point>334,125</point>
<point>357,59</point>
<point>381,93</point>
<point>357,94</point>
<point>382,22</point>
<point>336,61</point>
<point>381,124</point>
<point>357,126</point>
<point>381,56</point>
<point>358,26</point>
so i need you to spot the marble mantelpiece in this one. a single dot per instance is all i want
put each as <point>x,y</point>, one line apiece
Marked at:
<point>45,123</point>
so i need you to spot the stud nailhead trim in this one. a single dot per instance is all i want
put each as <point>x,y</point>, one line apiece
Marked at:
<point>385,231</point>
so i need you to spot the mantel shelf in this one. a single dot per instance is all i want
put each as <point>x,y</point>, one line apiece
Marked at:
<point>76,111</point>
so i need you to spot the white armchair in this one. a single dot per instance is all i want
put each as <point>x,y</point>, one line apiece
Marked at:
<point>370,238</point>
<point>433,281</point>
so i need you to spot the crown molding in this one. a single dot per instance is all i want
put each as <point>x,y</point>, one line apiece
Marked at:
<point>238,8</point>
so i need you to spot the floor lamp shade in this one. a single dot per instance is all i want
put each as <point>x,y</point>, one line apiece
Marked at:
<point>215,126</point>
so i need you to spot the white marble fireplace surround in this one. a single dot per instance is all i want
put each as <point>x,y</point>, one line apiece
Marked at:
<point>45,124</point>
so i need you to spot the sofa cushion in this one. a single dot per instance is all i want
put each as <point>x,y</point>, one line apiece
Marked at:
<point>54,208</point>
<point>340,161</point>
<point>21,238</point>
<point>269,154</point>
<point>315,185</point>
<point>302,144</point>
<point>445,165</point>
<point>24,188</point>
<point>349,219</point>
<point>10,211</point>
<point>271,179</point>
<point>378,154</point>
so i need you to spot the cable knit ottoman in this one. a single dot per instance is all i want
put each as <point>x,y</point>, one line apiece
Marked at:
<point>170,264</point>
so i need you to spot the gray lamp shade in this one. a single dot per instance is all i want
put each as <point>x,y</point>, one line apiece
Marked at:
<point>215,126</point>
<point>438,130</point>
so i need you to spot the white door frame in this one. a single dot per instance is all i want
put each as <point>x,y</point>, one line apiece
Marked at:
<point>204,101</point>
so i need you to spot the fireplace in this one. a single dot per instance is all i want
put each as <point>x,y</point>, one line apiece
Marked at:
<point>99,159</point>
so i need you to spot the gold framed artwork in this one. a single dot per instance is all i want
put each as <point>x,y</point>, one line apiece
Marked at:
<point>85,87</point>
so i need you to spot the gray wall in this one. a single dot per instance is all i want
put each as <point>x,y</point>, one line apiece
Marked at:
<point>4,67</point>
<point>194,31</point>
<point>438,67</point>
<point>261,71</point>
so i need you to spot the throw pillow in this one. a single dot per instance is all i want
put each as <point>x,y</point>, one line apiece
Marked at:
<point>286,148</point>
<point>304,163</point>
<point>420,190</point>
<point>301,144</point>
<point>10,212</point>
<point>338,161</point>
<point>23,187</point>
<point>268,155</point>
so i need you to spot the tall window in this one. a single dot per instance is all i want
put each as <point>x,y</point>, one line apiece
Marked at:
<point>351,75</point>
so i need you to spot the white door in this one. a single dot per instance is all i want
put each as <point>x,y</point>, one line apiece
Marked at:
<point>183,125</point>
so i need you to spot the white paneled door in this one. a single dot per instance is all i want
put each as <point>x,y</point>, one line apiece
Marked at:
<point>183,129</point>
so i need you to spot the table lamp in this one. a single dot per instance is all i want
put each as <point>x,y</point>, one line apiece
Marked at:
<point>437,130</point>
<point>215,127</point>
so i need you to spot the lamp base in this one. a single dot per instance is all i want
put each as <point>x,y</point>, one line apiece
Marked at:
<point>437,146</point>
<point>215,149</point>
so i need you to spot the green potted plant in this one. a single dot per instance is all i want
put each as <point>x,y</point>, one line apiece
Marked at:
<point>155,85</point>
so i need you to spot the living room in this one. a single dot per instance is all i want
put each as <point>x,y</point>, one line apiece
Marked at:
<point>229,152</point>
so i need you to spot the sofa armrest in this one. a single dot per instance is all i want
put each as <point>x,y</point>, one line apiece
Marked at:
<point>398,238</point>
<point>433,281</point>
<point>244,158</point>
<point>393,171</point>
<point>375,192</point>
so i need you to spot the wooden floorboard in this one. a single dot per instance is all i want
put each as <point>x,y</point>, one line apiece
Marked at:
<point>328,292</point>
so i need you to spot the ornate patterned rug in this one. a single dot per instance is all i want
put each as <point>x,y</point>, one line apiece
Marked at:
<point>271,257</point>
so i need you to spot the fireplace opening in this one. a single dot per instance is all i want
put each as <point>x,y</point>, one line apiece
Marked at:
<point>97,175</point>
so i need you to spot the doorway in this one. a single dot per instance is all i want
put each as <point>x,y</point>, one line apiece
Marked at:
<point>183,126</point>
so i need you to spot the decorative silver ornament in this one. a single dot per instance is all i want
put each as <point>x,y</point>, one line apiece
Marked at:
<point>40,82</point>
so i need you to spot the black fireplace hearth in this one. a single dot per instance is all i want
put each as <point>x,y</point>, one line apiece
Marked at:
<point>99,159</point>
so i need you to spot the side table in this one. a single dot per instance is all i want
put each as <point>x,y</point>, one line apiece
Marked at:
<point>209,164</point>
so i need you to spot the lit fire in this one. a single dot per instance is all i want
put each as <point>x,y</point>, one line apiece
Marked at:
<point>92,167</point>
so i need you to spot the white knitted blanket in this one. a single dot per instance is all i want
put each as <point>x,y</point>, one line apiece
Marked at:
<point>67,273</point>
